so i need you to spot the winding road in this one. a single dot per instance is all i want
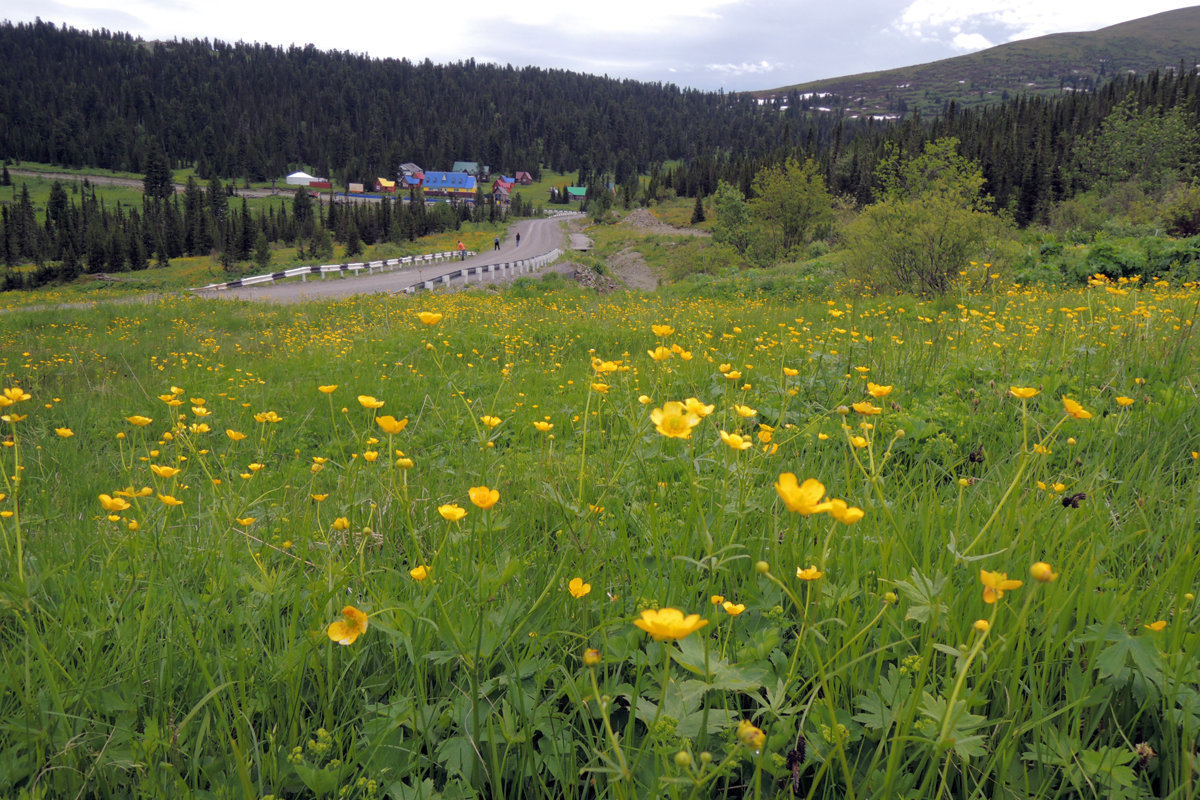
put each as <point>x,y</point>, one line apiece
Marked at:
<point>538,237</point>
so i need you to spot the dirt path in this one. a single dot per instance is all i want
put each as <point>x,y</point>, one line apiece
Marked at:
<point>134,183</point>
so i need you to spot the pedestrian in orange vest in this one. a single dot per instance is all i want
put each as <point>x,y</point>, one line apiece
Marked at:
<point>462,251</point>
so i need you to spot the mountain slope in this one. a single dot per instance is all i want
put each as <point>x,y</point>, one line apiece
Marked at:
<point>1047,64</point>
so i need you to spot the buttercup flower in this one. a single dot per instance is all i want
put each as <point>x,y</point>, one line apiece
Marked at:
<point>452,512</point>
<point>810,573</point>
<point>366,401</point>
<point>662,330</point>
<point>1042,572</point>
<point>578,588</point>
<point>420,573</point>
<point>483,497</point>
<point>733,609</point>
<point>736,441</point>
<point>390,424</point>
<point>236,436</point>
<point>694,406</point>
<point>669,623</point>
<point>164,472</point>
<point>113,504</point>
<point>139,420</point>
<point>674,421</point>
<point>1075,410</point>
<point>660,353</point>
<point>490,421</point>
<point>429,317</point>
<point>981,625</point>
<point>744,411</point>
<point>751,735</point>
<point>995,584</point>
<point>1023,392</point>
<point>844,513</point>
<point>65,433</point>
<point>591,657</point>
<point>328,388</point>
<point>1124,401</point>
<point>543,426</point>
<point>168,500</point>
<point>1157,625</point>
<point>877,391</point>
<point>346,630</point>
<point>804,498</point>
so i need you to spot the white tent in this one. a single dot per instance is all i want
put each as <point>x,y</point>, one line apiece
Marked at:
<point>299,179</point>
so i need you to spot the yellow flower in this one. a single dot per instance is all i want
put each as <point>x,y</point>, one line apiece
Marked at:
<point>15,394</point>
<point>803,498</point>
<point>420,573</point>
<point>268,416</point>
<point>366,401</point>
<point>662,330</point>
<point>429,317</point>
<point>370,455</point>
<point>602,367</point>
<point>255,467</point>
<point>1023,392</point>
<point>352,625</point>
<point>717,599</point>
<point>791,373</point>
<point>168,500</point>
<point>1124,401</point>
<point>981,625</point>
<point>1157,626</point>
<point>341,524</point>
<point>483,497</point>
<point>543,426</point>
<point>139,420</point>
<point>669,623</point>
<point>129,491</point>
<point>694,406</point>
<point>245,522</point>
<point>65,433</point>
<point>113,503</point>
<point>858,441</point>
<point>844,513</point>
<point>1042,572</point>
<point>809,574</point>
<point>744,411</point>
<point>390,424</point>
<point>327,389</point>
<point>751,735</point>
<point>733,609</point>
<point>645,400</point>
<point>877,391</point>
<point>164,472</point>
<point>1075,410</point>
<point>490,421</point>
<point>733,375</point>
<point>602,388</point>
<point>995,584</point>
<point>318,497</point>
<point>660,353</point>
<point>866,408</point>
<point>199,428</point>
<point>452,512</point>
<point>578,588</point>
<point>674,421</point>
<point>736,441</point>
<point>591,657</point>
<point>236,436</point>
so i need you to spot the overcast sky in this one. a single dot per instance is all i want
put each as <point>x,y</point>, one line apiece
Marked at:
<point>707,44</point>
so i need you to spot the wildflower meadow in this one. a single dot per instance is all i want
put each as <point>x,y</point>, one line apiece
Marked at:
<point>552,544</point>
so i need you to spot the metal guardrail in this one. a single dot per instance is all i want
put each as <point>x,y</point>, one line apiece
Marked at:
<point>504,269</point>
<point>338,269</point>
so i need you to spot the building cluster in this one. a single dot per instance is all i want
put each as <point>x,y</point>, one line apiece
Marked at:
<point>460,183</point>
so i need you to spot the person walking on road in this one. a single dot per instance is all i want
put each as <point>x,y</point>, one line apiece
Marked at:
<point>496,243</point>
<point>462,251</point>
<point>518,240</point>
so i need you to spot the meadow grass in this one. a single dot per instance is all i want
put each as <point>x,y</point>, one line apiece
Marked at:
<point>201,500</point>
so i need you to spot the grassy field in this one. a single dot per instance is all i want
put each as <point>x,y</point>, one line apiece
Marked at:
<point>477,545</point>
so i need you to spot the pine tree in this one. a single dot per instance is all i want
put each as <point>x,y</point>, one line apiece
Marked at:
<point>698,211</point>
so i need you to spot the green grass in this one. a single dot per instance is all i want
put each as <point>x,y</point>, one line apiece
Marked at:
<point>184,650</point>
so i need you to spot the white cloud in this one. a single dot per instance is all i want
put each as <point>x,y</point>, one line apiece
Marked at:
<point>970,42</point>
<point>744,68</point>
<point>964,24</point>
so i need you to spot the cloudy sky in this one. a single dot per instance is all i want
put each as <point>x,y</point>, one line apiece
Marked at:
<point>707,44</point>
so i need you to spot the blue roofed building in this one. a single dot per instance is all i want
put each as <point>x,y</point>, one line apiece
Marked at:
<point>450,184</point>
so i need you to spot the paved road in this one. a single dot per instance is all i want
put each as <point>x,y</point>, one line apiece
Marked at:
<point>538,237</point>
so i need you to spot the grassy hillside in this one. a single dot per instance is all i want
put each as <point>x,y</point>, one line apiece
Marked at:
<point>1046,64</point>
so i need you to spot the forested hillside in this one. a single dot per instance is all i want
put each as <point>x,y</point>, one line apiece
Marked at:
<point>255,111</point>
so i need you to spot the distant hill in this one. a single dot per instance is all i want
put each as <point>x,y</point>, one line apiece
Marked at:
<point>1045,65</point>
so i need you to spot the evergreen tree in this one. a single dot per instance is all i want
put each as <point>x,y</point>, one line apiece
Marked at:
<point>158,182</point>
<point>262,251</point>
<point>697,211</point>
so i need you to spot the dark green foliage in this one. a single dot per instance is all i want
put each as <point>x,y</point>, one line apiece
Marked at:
<point>697,211</point>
